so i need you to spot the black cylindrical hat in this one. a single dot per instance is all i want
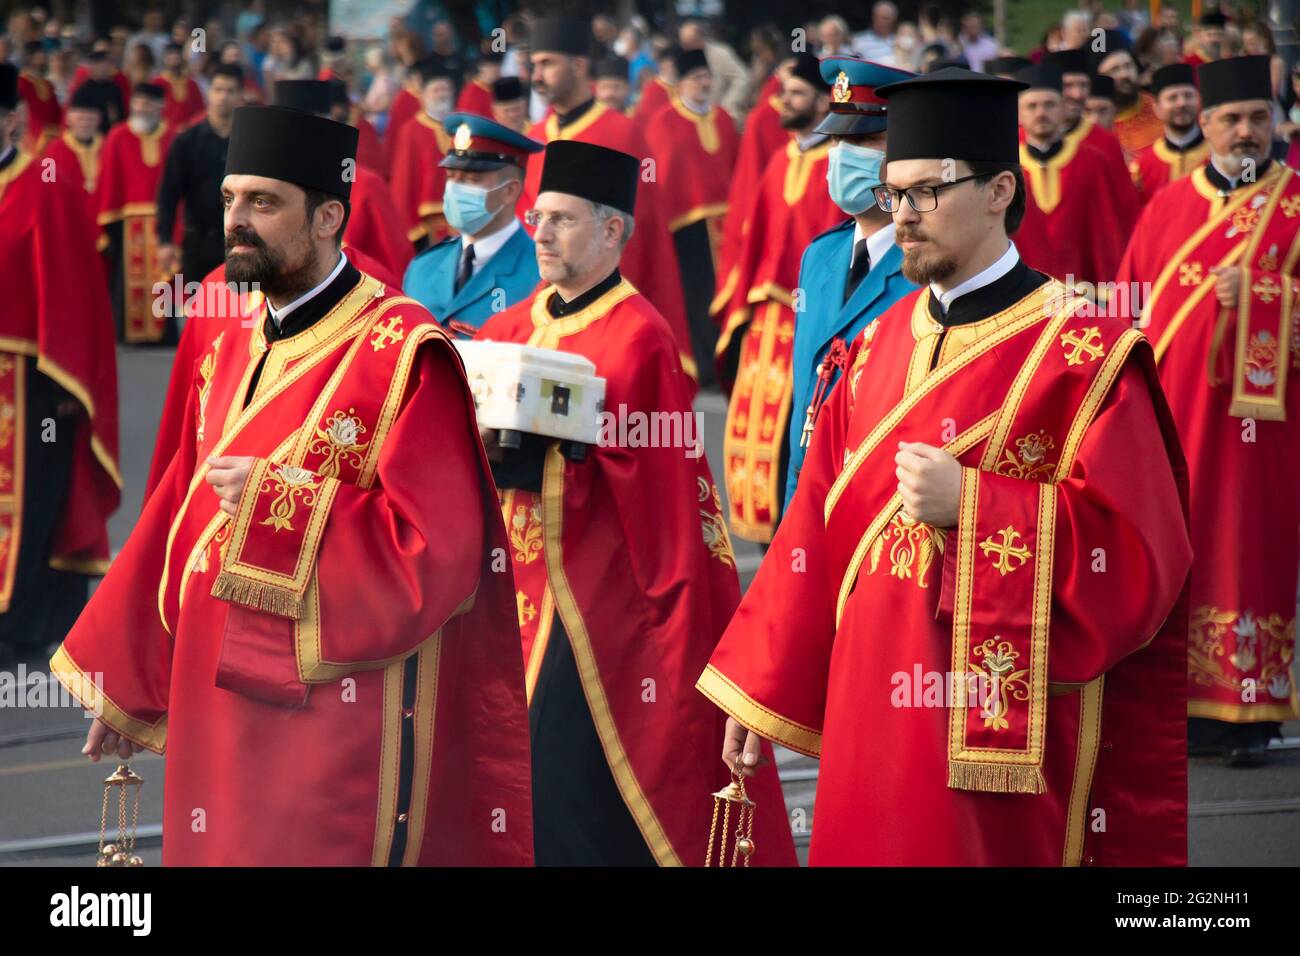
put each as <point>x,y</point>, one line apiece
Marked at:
<point>507,88</point>
<point>809,69</point>
<point>83,98</point>
<point>1069,61</point>
<point>1233,80</point>
<point>150,89</point>
<point>300,148</point>
<point>8,86</point>
<point>306,96</point>
<point>605,176</point>
<point>1006,65</point>
<point>560,35</point>
<point>1103,87</point>
<point>687,60</point>
<point>1175,74</point>
<point>1041,77</point>
<point>610,67</point>
<point>953,114</point>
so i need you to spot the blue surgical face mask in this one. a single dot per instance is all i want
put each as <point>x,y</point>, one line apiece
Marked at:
<point>851,173</point>
<point>465,206</point>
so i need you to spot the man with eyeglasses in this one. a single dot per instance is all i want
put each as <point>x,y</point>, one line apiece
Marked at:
<point>624,571</point>
<point>1081,203</point>
<point>970,610</point>
<point>1215,255</point>
<point>1183,147</point>
<point>759,305</point>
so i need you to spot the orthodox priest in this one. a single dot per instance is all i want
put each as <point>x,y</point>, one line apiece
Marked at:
<point>561,61</point>
<point>1183,147</point>
<point>59,477</point>
<point>624,572</point>
<point>417,178</point>
<point>696,144</point>
<point>972,611</point>
<point>321,646</point>
<point>134,154</point>
<point>1218,251</point>
<point>754,351</point>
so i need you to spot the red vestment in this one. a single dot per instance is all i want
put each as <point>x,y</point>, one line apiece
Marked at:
<point>655,95</point>
<point>1157,165</point>
<point>792,207</point>
<point>649,260</point>
<point>417,179</point>
<point>57,313</point>
<point>130,172</point>
<point>375,226</point>
<point>763,136</point>
<point>630,549</point>
<point>370,152</point>
<point>1233,380</point>
<point>697,154</point>
<point>80,163</point>
<point>119,79</point>
<point>860,620</point>
<point>1138,125</point>
<point>183,102</point>
<point>1079,211</point>
<point>403,108</point>
<point>476,98</point>
<point>44,114</point>
<point>333,672</point>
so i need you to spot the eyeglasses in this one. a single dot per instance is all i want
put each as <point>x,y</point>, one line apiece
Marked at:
<point>559,221</point>
<point>920,198</point>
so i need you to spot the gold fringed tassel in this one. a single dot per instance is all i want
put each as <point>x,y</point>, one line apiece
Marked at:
<point>257,596</point>
<point>995,778</point>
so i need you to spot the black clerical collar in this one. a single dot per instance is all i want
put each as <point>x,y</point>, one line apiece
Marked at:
<point>1197,139</point>
<point>8,157</point>
<point>1225,185</point>
<point>315,308</point>
<point>998,296</point>
<point>1043,155</point>
<point>575,114</point>
<point>557,307</point>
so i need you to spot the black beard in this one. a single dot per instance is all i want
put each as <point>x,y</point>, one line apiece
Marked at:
<point>265,267</point>
<point>923,271</point>
<point>798,120</point>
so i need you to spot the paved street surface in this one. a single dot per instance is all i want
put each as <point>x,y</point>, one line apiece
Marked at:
<point>50,796</point>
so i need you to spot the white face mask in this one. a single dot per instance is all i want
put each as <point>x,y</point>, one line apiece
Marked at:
<point>623,47</point>
<point>439,110</point>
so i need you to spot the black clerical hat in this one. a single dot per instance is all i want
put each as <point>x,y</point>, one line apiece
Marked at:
<point>953,114</point>
<point>560,35</point>
<point>610,67</point>
<point>1102,86</point>
<point>1006,65</point>
<point>1233,80</point>
<point>687,60</point>
<point>1069,61</point>
<point>152,90</point>
<point>1041,76</point>
<point>590,172</point>
<point>300,148</point>
<point>1175,74</point>
<point>83,98</point>
<point>809,69</point>
<point>507,88</point>
<point>305,96</point>
<point>8,86</point>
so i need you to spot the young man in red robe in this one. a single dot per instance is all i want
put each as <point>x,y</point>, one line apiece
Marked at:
<point>1183,146</point>
<point>184,103</point>
<point>696,144</point>
<point>1214,254</point>
<point>561,62</point>
<point>77,152</point>
<point>1077,83</point>
<point>44,114</point>
<point>134,153</point>
<point>754,353</point>
<point>417,180</point>
<point>624,572</point>
<point>1081,202</point>
<point>762,137</point>
<point>59,477</point>
<point>1136,122</point>
<point>320,645</point>
<point>973,611</point>
<point>659,90</point>
<point>476,96</point>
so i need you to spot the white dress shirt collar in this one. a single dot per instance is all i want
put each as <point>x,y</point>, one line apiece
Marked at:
<point>878,242</point>
<point>278,315</point>
<point>992,274</point>
<point>485,247</point>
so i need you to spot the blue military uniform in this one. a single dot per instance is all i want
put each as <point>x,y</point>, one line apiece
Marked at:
<point>828,322</point>
<point>509,275</point>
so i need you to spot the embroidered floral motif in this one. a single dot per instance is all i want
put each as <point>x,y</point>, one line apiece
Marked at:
<point>716,538</point>
<point>1226,647</point>
<point>527,609</point>
<point>290,485</point>
<point>1032,457</point>
<point>912,547</point>
<point>1268,261</point>
<point>8,415</point>
<point>526,532</point>
<point>1261,359</point>
<point>1000,677</point>
<point>339,442</point>
<point>206,369</point>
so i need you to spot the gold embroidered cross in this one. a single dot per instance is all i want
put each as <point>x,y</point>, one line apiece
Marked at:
<point>1076,346</point>
<point>1290,206</point>
<point>1266,289</point>
<point>386,335</point>
<point>1190,273</point>
<point>1006,549</point>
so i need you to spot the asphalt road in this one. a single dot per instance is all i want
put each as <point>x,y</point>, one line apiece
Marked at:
<point>50,796</point>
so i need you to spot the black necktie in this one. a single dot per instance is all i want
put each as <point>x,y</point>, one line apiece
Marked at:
<point>859,268</point>
<point>466,267</point>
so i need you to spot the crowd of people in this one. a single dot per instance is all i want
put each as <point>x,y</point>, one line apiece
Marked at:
<point>1010,360</point>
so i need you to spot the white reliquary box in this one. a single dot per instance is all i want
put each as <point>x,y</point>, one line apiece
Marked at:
<point>520,388</point>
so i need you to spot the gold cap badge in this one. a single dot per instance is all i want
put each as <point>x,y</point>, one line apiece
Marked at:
<point>840,91</point>
<point>464,138</point>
